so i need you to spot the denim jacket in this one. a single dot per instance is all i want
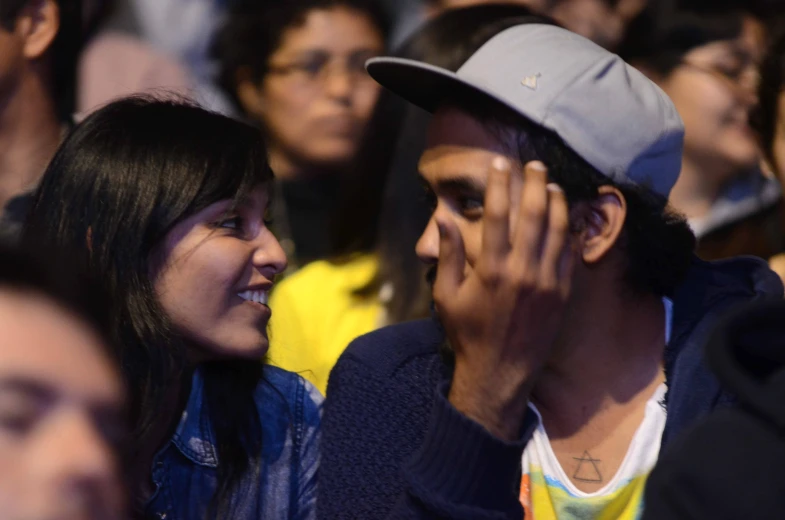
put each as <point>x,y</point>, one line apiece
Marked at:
<point>184,470</point>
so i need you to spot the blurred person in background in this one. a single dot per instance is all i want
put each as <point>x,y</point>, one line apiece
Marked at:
<point>167,203</point>
<point>61,398</point>
<point>435,7</point>
<point>183,29</point>
<point>729,465</point>
<point>704,55</point>
<point>297,69</point>
<point>769,120</point>
<point>377,280</point>
<point>116,63</point>
<point>602,21</point>
<point>39,47</point>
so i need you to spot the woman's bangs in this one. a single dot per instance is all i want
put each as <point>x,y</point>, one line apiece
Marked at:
<point>233,176</point>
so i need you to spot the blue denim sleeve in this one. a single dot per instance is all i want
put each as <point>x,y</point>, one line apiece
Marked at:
<point>309,452</point>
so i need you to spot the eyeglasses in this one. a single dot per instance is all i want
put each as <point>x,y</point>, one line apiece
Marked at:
<point>317,68</point>
<point>739,79</point>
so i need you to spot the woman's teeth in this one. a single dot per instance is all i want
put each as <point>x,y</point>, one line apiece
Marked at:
<point>255,296</point>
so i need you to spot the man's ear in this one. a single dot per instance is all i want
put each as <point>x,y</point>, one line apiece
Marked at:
<point>37,25</point>
<point>600,224</point>
<point>249,94</point>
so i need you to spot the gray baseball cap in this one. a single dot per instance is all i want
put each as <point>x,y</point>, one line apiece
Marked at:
<point>609,113</point>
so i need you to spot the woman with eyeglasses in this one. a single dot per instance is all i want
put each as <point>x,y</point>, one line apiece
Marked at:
<point>704,55</point>
<point>297,69</point>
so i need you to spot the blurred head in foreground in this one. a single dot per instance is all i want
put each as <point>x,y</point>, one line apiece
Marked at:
<point>61,399</point>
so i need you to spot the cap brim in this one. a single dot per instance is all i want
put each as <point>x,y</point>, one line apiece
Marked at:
<point>421,84</point>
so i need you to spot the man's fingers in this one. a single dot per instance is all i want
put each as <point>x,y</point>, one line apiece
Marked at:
<point>556,236</point>
<point>452,259</point>
<point>496,213</point>
<point>532,215</point>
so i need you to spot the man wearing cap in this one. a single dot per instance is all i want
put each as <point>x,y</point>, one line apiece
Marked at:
<point>571,312</point>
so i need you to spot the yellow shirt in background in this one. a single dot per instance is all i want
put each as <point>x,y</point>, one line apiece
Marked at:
<point>315,316</point>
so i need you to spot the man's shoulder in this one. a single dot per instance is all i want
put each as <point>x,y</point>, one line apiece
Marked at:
<point>711,291</point>
<point>712,288</point>
<point>386,349</point>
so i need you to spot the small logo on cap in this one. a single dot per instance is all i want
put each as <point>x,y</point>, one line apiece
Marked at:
<point>531,81</point>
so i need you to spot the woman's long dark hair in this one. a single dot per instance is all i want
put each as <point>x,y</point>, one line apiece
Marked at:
<point>384,207</point>
<point>118,184</point>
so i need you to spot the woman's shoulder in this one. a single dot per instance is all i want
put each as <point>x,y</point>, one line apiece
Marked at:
<point>285,398</point>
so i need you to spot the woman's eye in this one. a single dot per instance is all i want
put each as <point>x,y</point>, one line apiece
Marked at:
<point>235,223</point>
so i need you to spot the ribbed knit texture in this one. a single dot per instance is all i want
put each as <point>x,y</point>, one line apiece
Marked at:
<point>462,471</point>
<point>393,446</point>
<point>374,419</point>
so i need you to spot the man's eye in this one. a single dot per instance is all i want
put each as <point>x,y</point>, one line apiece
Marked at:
<point>470,205</point>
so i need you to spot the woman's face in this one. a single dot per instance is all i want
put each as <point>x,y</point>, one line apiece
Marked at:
<point>317,98</point>
<point>217,270</point>
<point>713,90</point>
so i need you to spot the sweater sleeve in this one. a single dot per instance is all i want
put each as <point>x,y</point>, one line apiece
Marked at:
<point>461,471</point>
<point>384,457</point>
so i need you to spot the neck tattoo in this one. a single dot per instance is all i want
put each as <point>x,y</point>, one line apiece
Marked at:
<point>587,470</point>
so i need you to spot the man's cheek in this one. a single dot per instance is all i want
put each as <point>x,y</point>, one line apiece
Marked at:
<point>472,241</point>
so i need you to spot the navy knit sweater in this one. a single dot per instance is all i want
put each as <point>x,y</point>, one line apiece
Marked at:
<point>394,447</point>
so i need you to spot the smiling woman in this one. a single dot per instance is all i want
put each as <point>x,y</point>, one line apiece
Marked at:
<point>229,249</point>
<point>704,55</point>
<point>167,203</point>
